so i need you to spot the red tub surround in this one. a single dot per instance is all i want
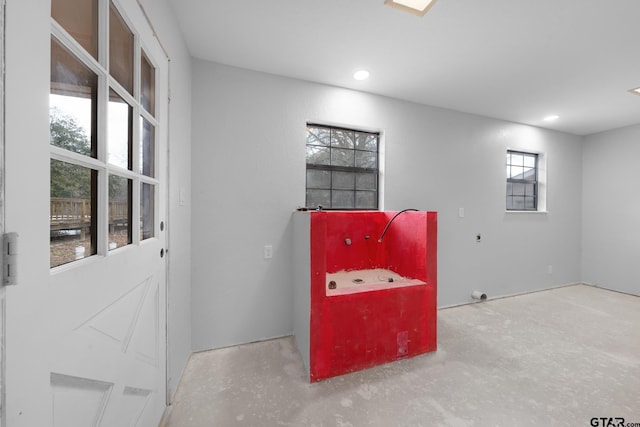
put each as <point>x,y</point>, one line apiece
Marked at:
<point>369,301</point>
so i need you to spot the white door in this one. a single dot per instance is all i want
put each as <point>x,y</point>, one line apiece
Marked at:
<point>102,324</point>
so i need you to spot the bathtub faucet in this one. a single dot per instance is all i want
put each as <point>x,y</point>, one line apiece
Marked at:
<point>391,220</point>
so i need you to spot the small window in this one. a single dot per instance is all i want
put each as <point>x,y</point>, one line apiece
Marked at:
<point>522,181</point>
<point>342,168</point>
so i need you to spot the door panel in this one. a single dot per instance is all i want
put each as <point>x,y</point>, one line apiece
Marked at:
<point>110,347</point>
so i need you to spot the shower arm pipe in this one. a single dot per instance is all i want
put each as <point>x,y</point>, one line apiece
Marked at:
<point>391,220</point>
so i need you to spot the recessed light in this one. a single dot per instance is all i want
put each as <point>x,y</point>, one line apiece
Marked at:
<point>551,118</point>
<point>636,91</point>
<point>417,7</point>
<point>361,75</point>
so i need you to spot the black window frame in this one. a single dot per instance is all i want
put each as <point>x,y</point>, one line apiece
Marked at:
<point>332,169</point>
<point>525,181</point>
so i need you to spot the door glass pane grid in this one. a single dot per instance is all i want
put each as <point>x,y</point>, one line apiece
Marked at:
<point>77,75</point>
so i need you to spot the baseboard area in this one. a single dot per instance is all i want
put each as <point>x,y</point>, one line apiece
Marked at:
<point>164,421</point>
<point>493,298</point>
<point>611,289</point>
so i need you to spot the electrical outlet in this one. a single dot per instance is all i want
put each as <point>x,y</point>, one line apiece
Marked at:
<point>268,252</point>
<point>478,238</point>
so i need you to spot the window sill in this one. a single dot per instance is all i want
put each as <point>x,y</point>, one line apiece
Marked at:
<point>527,212</point>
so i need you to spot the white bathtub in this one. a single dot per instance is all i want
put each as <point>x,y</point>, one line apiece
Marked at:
<point>354,281</point>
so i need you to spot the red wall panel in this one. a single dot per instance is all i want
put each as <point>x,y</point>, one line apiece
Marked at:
<point>361,330</point>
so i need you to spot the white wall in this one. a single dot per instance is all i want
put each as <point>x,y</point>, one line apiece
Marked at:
<point>611,210</point>
<point>249,175</point>
<point>179,224</point>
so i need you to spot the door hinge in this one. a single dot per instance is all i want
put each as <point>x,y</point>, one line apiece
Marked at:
<point>9,259</point>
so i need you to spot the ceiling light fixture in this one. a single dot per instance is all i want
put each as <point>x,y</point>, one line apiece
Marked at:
<point>417,7</point>
<point>551,118</point>
<point>361,75</point>
<point>636,91</point>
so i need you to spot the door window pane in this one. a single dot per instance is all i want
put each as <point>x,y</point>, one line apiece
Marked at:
<point>80,19</point>
<point>120,50</point>
<point>72,103</point>
<point>120,193</point>
<point>147,148</point>
<point>72,217</point>
<point>119,143</point>
<point>148,85</point>
<point>147,209</point>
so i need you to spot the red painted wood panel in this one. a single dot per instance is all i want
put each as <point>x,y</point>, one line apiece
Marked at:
<point>358,331</point>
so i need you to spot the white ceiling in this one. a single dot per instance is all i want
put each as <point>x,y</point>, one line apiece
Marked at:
<point>516,60</point>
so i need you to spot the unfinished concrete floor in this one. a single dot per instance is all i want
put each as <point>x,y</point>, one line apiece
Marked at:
<point>552,358</point>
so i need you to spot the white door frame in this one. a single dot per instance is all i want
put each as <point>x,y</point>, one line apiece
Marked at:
<point>2,291</point>
<point>166,206</point>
